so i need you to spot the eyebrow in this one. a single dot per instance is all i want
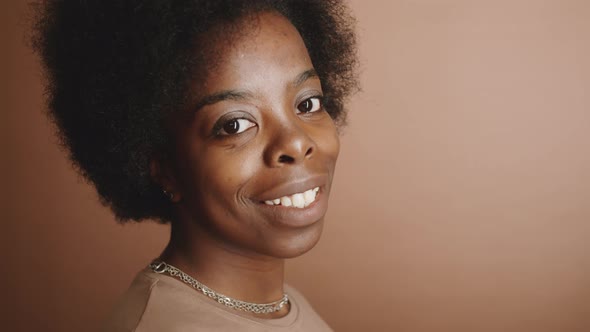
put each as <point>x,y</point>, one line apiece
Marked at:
<point>238,95</point>
<point>221,96</point>
<point>301,78</point>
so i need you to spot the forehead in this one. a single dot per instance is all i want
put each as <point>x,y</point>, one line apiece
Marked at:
<point>260,47</point>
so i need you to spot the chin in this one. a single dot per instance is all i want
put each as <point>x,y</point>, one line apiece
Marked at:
<point>297,244</point>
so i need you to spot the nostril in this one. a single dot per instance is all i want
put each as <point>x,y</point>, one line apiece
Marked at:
<point>309,151</point>
<point>286,159</point>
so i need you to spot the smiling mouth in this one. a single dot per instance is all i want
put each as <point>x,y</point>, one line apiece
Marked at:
<point>298,200</point>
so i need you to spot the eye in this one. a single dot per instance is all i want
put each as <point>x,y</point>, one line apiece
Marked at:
<point>310,105</point>
<point>235,126</point>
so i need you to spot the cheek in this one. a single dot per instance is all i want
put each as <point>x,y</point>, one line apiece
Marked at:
<point>227,173</point>
<point>336,145</point>
<point>328,142</point>
<point>215,190</point>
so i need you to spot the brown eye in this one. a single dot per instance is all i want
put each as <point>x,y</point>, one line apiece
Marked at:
<point>310,105</point>
<point>236,126</point>
<point>231,127</point>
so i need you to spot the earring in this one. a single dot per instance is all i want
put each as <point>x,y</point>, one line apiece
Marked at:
<point>168,194</point>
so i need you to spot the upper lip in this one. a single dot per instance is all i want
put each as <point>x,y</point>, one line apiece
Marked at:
<point>293,187</point>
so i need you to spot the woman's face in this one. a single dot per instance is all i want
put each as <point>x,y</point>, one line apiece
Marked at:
<point>254,164</point>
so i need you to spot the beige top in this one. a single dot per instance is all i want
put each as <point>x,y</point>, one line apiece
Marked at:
<point>157,302</point>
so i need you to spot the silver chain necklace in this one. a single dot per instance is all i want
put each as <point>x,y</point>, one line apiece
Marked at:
<point>258,308</point>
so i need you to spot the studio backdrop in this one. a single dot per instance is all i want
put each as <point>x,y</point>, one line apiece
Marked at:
<point>461,200</point>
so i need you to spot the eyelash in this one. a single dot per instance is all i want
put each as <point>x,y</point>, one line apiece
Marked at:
<point>320,106</point>
<point>219,127</point>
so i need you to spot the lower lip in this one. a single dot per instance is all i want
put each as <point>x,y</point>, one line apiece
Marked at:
<point>297,217</point>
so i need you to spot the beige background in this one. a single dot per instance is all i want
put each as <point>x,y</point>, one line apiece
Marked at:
<point>462,199</point>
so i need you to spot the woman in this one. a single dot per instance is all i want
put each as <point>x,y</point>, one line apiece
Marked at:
<point>218,117</point>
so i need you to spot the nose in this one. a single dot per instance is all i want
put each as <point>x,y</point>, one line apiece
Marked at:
<point>289,145</point>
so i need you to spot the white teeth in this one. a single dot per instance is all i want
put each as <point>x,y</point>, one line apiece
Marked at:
<point>299,200</point>
<point>285,201</point>
<point>309,196</point>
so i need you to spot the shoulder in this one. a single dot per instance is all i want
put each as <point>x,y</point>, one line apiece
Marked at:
<point>309,319</point>
<point>130,307</point>
<point>154,303</point>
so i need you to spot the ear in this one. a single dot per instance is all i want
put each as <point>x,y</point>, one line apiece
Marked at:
<point>161,173</point>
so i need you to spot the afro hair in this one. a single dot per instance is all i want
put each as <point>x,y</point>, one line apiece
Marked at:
<point>115,70</point>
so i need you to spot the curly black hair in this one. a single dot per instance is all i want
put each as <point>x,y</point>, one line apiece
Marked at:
<point>115,70</point>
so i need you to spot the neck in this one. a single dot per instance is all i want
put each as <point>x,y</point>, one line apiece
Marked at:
<point>244,276</point>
